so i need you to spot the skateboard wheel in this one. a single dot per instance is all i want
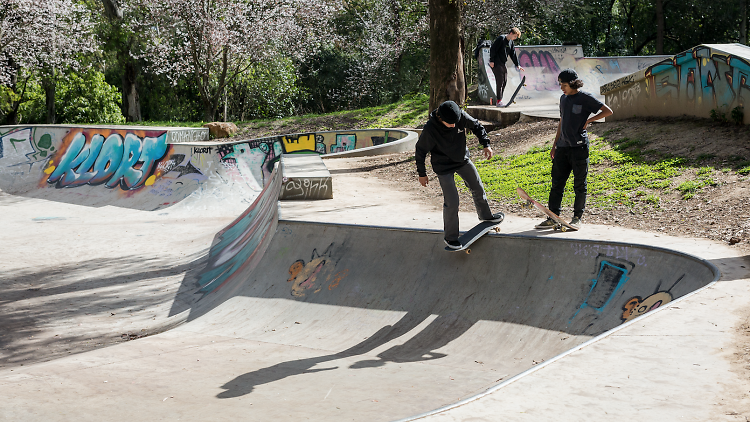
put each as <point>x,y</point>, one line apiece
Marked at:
<point>468,251</point>
<point>564,229</point>
<point>496,229</point>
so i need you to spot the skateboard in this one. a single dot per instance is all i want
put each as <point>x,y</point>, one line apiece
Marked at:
<point>561,224</point>
<point>474,234</point>
<point>511,101</point>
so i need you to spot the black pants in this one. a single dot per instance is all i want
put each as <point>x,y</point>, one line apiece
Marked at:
<point>501,79</point>
<point>567,160</point>
<point>450,198</point>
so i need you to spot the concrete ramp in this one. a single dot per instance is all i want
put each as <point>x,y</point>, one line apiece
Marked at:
<point>340,322</point>
<point>283,320</point>
<point>542,64</point>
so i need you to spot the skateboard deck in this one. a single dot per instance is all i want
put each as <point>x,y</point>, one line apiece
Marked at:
<point>512,99</point>
<point>561,224</point>
<point>474,234</point>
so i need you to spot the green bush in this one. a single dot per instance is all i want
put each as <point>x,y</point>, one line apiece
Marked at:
<point>87,98</point>
<point>79,98</point>
<point>266,90</point>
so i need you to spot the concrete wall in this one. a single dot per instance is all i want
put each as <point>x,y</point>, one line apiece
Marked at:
<point>155,168</point>
<point>543,63</point>
<point>694,82</point>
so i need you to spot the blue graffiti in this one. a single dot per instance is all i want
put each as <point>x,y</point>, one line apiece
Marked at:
<point>610,279</point>
<point>112,161</point>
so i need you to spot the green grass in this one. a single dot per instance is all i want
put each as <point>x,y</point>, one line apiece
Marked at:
<point>166,124</point>
<point>618,175</point>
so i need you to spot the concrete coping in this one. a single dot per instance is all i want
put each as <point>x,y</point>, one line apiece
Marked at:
<point>401,145</point>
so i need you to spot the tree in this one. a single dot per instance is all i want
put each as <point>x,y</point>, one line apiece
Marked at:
<point>214,41</point>
<point>123,41</point>
<point>42,37</point>
<point>447,79</point>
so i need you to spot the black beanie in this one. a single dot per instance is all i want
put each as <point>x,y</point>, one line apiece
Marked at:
<point>567,76</point>
<point>449,112</point>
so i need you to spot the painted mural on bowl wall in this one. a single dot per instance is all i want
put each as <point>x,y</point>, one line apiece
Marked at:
<point>694,82</point>
<point>541,66</point>
<point>111,166</point>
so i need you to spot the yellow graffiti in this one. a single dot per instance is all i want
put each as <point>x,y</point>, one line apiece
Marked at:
<point>150,180</point>
<point>635,306</point>
<point>300,143</point>
<point>49,170</point>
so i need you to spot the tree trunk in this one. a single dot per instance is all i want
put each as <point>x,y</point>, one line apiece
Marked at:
<point>659,26</point>
<point>49,96</point>
<point>131,103</point>
<point>447,81</point>
<point>743,22</point>
<point>12,117</point>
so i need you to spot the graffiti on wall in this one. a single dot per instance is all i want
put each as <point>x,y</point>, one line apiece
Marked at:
<point>699,79</point>
<point>113,159</point>
<point>256,157</point>
<point>637,306</point>
<point>611,276</point>
<point>241,244</point>
<point>318,273</point>
<point>542,64</point>
<point>545,78</point>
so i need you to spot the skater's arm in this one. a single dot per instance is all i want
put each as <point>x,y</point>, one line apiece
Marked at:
<point>420,154</point>
<point>557,138</point>
<point>515,58</point>
<point>605,111</point>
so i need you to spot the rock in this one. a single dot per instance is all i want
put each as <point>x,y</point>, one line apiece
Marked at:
<point>221,129</point>
<point>734,240</point>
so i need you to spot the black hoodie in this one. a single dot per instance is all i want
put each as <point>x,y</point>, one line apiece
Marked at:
<point>447,145</point>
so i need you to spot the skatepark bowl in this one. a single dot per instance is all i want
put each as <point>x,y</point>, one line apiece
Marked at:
<point>277,319</point>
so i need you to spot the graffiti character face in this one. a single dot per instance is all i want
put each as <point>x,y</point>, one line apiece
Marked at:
<point>635,306</point>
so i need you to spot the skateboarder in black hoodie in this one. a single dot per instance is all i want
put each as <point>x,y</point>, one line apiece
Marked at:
<point>444,138</point>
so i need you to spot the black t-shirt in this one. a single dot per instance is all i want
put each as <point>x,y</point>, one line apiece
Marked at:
<point>574,111</point>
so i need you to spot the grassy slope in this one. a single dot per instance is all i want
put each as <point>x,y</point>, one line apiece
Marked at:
<point>622,172</point>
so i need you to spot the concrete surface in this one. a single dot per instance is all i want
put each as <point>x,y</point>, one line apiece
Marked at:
<point>339,323</point>
<point>305,177</point>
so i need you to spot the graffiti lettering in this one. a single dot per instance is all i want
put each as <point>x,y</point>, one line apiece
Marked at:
<point>188,135</point>
<point>202,150</point>
<point>307,188</point>
<point>113,161</point>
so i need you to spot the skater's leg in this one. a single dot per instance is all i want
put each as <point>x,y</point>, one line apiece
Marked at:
<point>450,206</point>
<point>472,180</point>
<point>561,169</point>
<point>580,164</point>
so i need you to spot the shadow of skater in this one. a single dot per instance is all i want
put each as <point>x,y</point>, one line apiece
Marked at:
<point>439,333</point>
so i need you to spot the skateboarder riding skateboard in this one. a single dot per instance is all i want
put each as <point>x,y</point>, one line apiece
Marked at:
<point>444,138</point>
<point>501,49</point>
<point>570,151</point>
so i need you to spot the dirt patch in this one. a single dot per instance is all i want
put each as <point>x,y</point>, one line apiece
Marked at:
<point>720,212</point>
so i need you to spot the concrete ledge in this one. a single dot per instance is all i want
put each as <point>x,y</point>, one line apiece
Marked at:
<point>404,144</point>
<point>305,177</point>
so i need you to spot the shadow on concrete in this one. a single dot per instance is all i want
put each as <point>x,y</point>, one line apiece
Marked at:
<point>440,332</point>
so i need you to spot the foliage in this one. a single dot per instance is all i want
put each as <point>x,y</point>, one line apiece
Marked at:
<point>265,90</point>
<point>213,42</point>
<point>49,34</point>
<point>82,97</point>
<point>628,27</point>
